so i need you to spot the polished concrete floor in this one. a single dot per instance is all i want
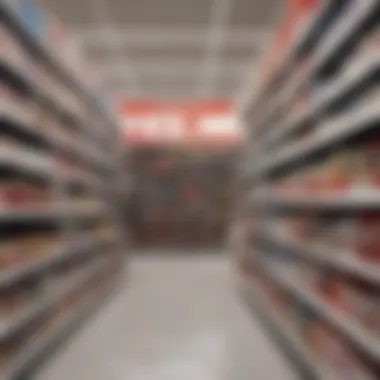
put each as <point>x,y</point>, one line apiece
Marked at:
<point>175,318</point>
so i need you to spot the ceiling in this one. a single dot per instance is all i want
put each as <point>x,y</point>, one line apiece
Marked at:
<point>171,49</point>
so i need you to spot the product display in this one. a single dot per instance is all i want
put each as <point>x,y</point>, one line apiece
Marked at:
<point>313,247</point>
<point>181,198</point>
<point>60,159</point>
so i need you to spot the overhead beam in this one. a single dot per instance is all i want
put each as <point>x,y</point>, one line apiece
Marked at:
<point>220,13</point>
<point>162,67</point>
<point>102,15</point>
<point>180,88</point>
<point>175,94</point>
<point>156,37</point>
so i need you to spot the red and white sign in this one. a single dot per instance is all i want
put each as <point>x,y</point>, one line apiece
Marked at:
<point>207,123</point>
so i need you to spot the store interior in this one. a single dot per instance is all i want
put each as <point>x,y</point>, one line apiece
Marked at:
<point>189,190</point>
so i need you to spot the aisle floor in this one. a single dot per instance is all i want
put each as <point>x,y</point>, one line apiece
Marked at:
<point>174,318</point>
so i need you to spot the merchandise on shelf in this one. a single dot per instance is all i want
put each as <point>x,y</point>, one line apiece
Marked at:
<point>313,192</point>
<point>26,249</point>
<point>179,199</point>
<point>59,250</point>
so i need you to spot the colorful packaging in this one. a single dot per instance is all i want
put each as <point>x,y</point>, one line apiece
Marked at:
<point>368,237</point>
<point>336,354</point>
<point>17,194</point>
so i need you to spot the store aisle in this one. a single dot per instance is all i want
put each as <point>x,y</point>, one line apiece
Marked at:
<point>176,318</point>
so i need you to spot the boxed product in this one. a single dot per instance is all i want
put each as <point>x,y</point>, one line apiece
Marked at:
<point>19,299</point>
<point>367,244</point>
<point>16,194</point>
<point>332,176</point>
<point>14,253</point>
<point>360,303</point>
<point>366,309</point>
<point>366,167</point>
<point>335,353</point>
<point>335,291</point>
<point>338,234</point>
<point>294,184</point>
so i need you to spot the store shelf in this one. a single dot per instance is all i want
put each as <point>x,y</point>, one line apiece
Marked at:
<point>320,110</point>
<point>32,214</point>
<point>89,212</point>
<point>47,340</point>
<point>13,75</point>
<point>361,119</point>
<point>41,165</point>
<point>286,66</point>
<point>363,71</point>
<point>35,46</point>
<point>59,108</point>
<point>27,162</point>
<point>332,46</point>
<point>15,118</point>
<point>85,180</point>
<point>59,165</point>
<point>353,201</point>
<point>344,261</point>
<point>35,214</point>
<point>346,325</point>
<point>287,337</point>
<point>10,277</point>
<point>345,31</point>
<point>50,260</point>
<point>22,319</point>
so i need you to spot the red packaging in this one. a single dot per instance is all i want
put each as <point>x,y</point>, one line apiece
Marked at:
<point>368,237</point>
<point>14,194</point>
<point>367,165</point>
<point>366,306</point>
<point>334,291</point>
<point>336,354</point>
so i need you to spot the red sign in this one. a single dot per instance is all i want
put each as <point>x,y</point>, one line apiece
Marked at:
<point>183,123</point>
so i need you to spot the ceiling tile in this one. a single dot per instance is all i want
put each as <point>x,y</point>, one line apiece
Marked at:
<point>256,12</point>
<point>72,13</point>
<point>107,53</point>
<point>159,48</point>
<point>236,53</point>
<point>159,12</point>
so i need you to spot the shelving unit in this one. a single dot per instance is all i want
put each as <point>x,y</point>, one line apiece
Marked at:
<point>61,248</point>
<point>285,334</point>
<point>309,210</point>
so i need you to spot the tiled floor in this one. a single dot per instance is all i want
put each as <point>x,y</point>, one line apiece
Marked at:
<point>175,318</point>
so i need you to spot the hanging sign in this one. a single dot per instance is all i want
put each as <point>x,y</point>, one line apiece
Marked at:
<point>189,123</point>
